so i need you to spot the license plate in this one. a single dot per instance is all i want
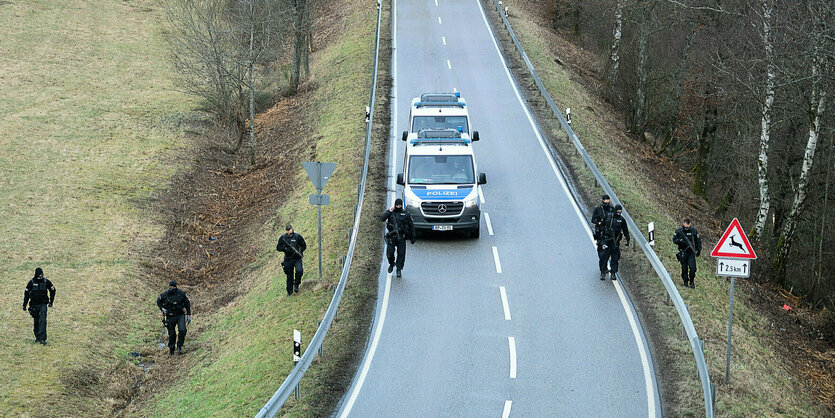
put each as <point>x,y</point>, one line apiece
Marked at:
<point>442,227</point>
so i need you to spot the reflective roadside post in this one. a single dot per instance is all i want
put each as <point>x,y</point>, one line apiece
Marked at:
<point>319,174</point>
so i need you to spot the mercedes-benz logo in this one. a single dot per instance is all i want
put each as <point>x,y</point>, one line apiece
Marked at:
<point>442,208</point>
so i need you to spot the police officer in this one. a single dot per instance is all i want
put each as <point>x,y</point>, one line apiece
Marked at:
<point>601,210</point>
<point>176,307</point>
<point>399,227</point>
<point>689,247</point>
<point>39,294</point>
<point>617,225</point>
<point>602,234</point>
<point>293,246</point>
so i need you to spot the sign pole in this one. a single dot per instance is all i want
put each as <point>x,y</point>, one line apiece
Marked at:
<point>320,240</point>
<point>730,324</point>
<point>319,174</point>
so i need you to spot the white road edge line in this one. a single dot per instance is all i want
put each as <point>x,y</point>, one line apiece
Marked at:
<point>647,377</point>
<point>505,305</point>
<point>371,351</point>
<point>496,259</point>
<point>489,225</point>
<point>512,343</point>
<point>481,194</point>
<point>506,412</point>
<point>448,64</point>
<point>640,343</point>
<point>443,39</point>
<point>385,303</point>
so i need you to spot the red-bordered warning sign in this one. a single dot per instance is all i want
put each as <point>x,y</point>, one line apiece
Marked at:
<point>734,243</point>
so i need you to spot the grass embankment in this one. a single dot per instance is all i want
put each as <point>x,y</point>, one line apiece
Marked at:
<point>655,191</point>
<point>85,132</point>
<point>245,352</point>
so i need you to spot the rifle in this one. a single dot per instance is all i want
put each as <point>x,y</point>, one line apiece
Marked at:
<point>295,250</point>
<point>394,224</point>
<point>681,252</point>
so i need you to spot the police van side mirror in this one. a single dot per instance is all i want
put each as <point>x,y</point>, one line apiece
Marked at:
<point>475,136</point>
<point>400,179</point>
<point>405,136</point>
<point>482,178</point>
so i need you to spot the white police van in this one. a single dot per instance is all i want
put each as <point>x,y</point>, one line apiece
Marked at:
<point>440,186</point>
<point>439,111</point>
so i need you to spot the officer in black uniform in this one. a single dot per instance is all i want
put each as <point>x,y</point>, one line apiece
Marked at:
<point>176,307</point>
<point>601,210</point>
<point>603,234</point>
<point>399,227</point>
<point>39,294</point>
<point>617,225</point>
<point>293,246</point>
<point>689,247</point>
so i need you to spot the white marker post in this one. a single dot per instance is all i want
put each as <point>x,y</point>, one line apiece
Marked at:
<point>297,351</point>
<point>651,228</point>
<point>734,254</point>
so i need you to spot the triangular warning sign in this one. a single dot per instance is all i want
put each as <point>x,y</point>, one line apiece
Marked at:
<point>734,243</point>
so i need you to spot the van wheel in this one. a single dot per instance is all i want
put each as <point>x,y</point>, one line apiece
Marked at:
<point>476,232</point>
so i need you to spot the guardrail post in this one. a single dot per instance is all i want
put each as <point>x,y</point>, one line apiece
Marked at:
<point>321,347</point>
<point>713,393</point>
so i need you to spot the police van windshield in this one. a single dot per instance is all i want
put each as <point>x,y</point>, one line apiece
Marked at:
<point>441,169</point>
<point>439,122</point>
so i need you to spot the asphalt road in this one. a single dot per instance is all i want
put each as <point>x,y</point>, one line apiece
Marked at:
<point>517,322</point>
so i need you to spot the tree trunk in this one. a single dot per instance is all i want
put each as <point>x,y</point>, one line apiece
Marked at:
<point>251,96</point>
<point>640,93</point>
<point>299,45</point>
<point>765,124</point>
<point>615,58</point>
<point>705,141</point>
<point>816,108</point>
<point>816,284</point>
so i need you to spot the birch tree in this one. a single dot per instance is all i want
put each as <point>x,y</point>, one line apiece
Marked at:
<point>765,122</point>
<point>816,108</point>
<point>614,57</point>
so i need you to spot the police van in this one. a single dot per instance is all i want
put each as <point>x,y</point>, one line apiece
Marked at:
<point>439,111</point>
<point>440,181</point>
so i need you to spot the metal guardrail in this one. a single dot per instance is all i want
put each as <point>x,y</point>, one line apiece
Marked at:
<point>696,344</point>
<point>275,403</point>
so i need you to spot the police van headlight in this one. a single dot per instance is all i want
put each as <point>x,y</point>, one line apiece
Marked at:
<point>411,202</point>
<point>471,201</point>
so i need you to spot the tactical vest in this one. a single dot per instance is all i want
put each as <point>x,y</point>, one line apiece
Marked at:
<point>173,303</point>
<point>39,293</point>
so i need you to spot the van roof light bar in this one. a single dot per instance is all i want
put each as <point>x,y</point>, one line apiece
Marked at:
<point>440,100</point>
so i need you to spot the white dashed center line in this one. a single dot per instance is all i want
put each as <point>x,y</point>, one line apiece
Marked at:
<point>489,225</point>
<point>496,259</point>
<point>443,39</point>
<point>512,343</point>
<point>448,64</point>
<point>439,20</point>
<point>481,194</point>
<point>436,2</point>
<point>506,412</point>
<point>505,305</point>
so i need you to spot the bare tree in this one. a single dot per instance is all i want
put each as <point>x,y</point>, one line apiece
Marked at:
<point>765,129</point>
<point>198,34</point>
<point>817,102</point>
<point>257,25</point>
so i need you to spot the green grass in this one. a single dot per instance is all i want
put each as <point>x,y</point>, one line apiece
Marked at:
<point>249,341</point>
<point>760,382</point>
<point>83,143</point>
